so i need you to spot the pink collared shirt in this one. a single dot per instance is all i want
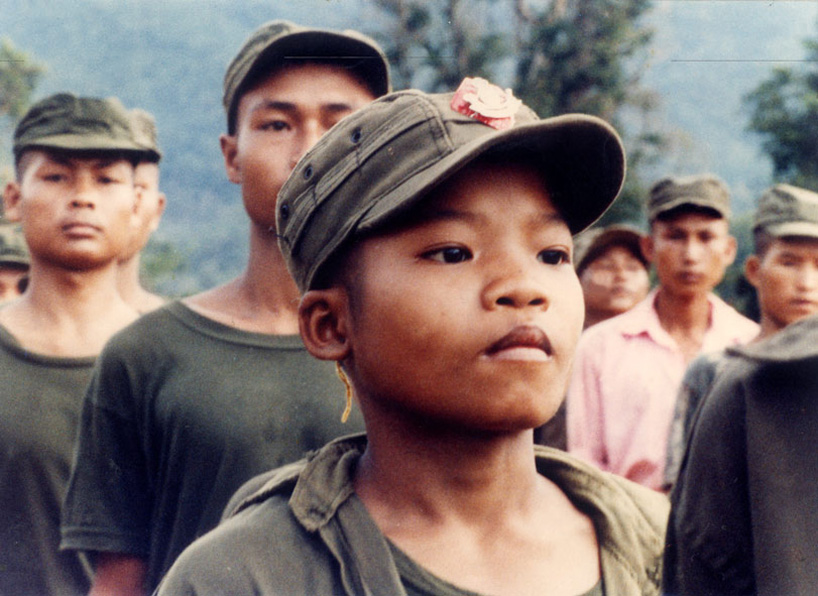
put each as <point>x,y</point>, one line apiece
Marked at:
<point>627,371</point>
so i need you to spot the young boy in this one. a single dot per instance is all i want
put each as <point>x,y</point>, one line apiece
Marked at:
<point>74,196</point>
<point>743,516</point>
<point>628,369</point>
<point>434,253</point>
<point>205,393</point>
<point>151,207</point>
<point>782,271</point>
<point>612,271</point>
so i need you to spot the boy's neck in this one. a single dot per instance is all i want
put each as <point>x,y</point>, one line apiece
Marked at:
<point>263,299</point>
<point>445,473</point>
<point>473,510</point>
<point>685,317</point>
<point>68,313</point>
<point>131,289</point>
<point>767,327</point>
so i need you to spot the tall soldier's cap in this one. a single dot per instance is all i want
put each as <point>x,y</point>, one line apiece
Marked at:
<point>66,122</point>
<point>377,163</point>
<point>704,191</point>
<point>281,43</point>
<point>786,210</point>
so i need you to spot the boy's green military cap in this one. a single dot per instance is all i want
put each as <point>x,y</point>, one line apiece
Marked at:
<point>705,190</point>
<point>377,163</point>
<point>67,122</point>
<point>282,43</point>
<point>13,247</point>
<point>144,129</point>
<point>786,210</point>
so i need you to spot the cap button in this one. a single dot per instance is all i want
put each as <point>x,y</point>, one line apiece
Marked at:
<point>356,135</point>
<point>308,172</point>
<point>284,211</point>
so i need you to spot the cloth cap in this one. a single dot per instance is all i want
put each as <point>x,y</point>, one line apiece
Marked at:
<point>592,243</point>
<point>13,247</point>
<point>144,129</point>
<point>706,191</point>
<point>67,122</point>
<point>378,162</point>
<point>785,210</point>
<point>281,43</point>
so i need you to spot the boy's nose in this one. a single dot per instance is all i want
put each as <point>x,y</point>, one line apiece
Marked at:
<point>83,196</point>
<point>311,132</point>
<point>515,289</point>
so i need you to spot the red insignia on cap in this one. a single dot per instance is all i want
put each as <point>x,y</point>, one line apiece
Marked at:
<point>486,103</point>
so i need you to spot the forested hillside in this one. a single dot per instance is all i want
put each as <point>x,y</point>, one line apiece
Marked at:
<point>168,56</point>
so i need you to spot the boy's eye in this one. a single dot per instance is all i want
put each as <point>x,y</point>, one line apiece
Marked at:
<point>449,254</point>
<point>554,257</point>
<point>275,125</point>
<point>54,177</point>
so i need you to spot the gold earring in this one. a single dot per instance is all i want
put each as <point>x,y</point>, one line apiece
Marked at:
<point>342,375</point>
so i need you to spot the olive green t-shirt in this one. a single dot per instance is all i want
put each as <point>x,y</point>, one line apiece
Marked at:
<point>181,412</point>
<point>40,398</point>
<point>417,581</point>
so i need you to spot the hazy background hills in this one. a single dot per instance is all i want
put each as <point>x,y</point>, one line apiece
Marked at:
<point>169,56</point>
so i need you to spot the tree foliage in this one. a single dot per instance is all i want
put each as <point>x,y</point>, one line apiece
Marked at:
<point>784,112</point>
<point>19,75</point>
<point>559,56</point>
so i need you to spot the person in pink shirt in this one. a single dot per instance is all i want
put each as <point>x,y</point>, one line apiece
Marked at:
<point>627,369</point>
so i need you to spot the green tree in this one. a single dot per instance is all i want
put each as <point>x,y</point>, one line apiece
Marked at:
<point>559,56</point>
<point>784,112</point>
<point>19,75</point>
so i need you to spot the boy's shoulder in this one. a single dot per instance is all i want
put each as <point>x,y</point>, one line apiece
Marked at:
<point>630,520</point>
<point>277,530</point>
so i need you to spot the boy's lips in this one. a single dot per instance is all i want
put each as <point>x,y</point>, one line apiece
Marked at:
<point>80,226</point>
<point>524,342</point>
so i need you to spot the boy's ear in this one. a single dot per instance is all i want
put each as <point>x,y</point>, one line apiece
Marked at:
<point>732,250</point>
<point>229,145</point>
<point>323,318</point>
<point>646,244</point>
<point>11,201</point>
<point>751,269</point>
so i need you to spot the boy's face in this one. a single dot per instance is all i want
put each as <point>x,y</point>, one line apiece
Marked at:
<point>786,279</point>
<point>149,209</point>
<point>277,121</point>
<point>614,282</point>
<point>469,316</point>
<point>690,252</point>
<point>78,213</point>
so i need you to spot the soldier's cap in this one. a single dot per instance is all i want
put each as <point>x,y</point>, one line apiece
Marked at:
<point>144,130</point>
<point>377,163</point>
<point>79,124</point>
<point>593,243</point>
<point>706,191</point>
<point>13,247</point>
<point>785,210</point>
<point>281,43</point>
